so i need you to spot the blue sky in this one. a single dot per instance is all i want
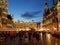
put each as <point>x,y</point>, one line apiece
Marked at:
<point>27,10</point>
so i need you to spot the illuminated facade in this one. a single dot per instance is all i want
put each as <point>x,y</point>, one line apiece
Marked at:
<point>50,19</point>
<point>25,25</point>
<point>4,14</point>
<point>58,15</point>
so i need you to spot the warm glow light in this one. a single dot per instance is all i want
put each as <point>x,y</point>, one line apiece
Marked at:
<point>54,28</point>
<point>27,29</point>
<point>19,29</point>
<point>48,29</point>
<point>59,25</point>
<point>41,29</point>
<point>48,36</point>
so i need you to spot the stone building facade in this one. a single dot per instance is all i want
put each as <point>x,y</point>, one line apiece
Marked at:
<point>25,25</point>
<point>51,17</point>
<point>58,15</point>
<point>4,14</point>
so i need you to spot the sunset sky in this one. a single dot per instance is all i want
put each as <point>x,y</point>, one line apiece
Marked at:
<point>28,10</point>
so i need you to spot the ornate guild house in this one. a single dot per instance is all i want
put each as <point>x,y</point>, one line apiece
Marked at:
<point>4,17</point>
<point>51,17</point>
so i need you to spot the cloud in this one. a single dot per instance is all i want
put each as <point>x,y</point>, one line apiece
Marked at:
<point>30,15</point>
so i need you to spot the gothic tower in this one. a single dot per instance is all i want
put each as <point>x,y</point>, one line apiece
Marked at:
<point>46,11</point>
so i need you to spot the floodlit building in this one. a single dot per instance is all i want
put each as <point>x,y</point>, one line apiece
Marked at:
<point>25,25</point>
<point>3,13</point>
<point>5,19</point>
<point>51,17</point>
<point>58,15</point>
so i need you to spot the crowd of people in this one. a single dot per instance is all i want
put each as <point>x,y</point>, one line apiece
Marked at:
<point>21,34</point>
<point>26,35</point>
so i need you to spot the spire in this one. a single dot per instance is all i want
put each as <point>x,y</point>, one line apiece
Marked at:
<point>46,8</point>
<point>46,5</point>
